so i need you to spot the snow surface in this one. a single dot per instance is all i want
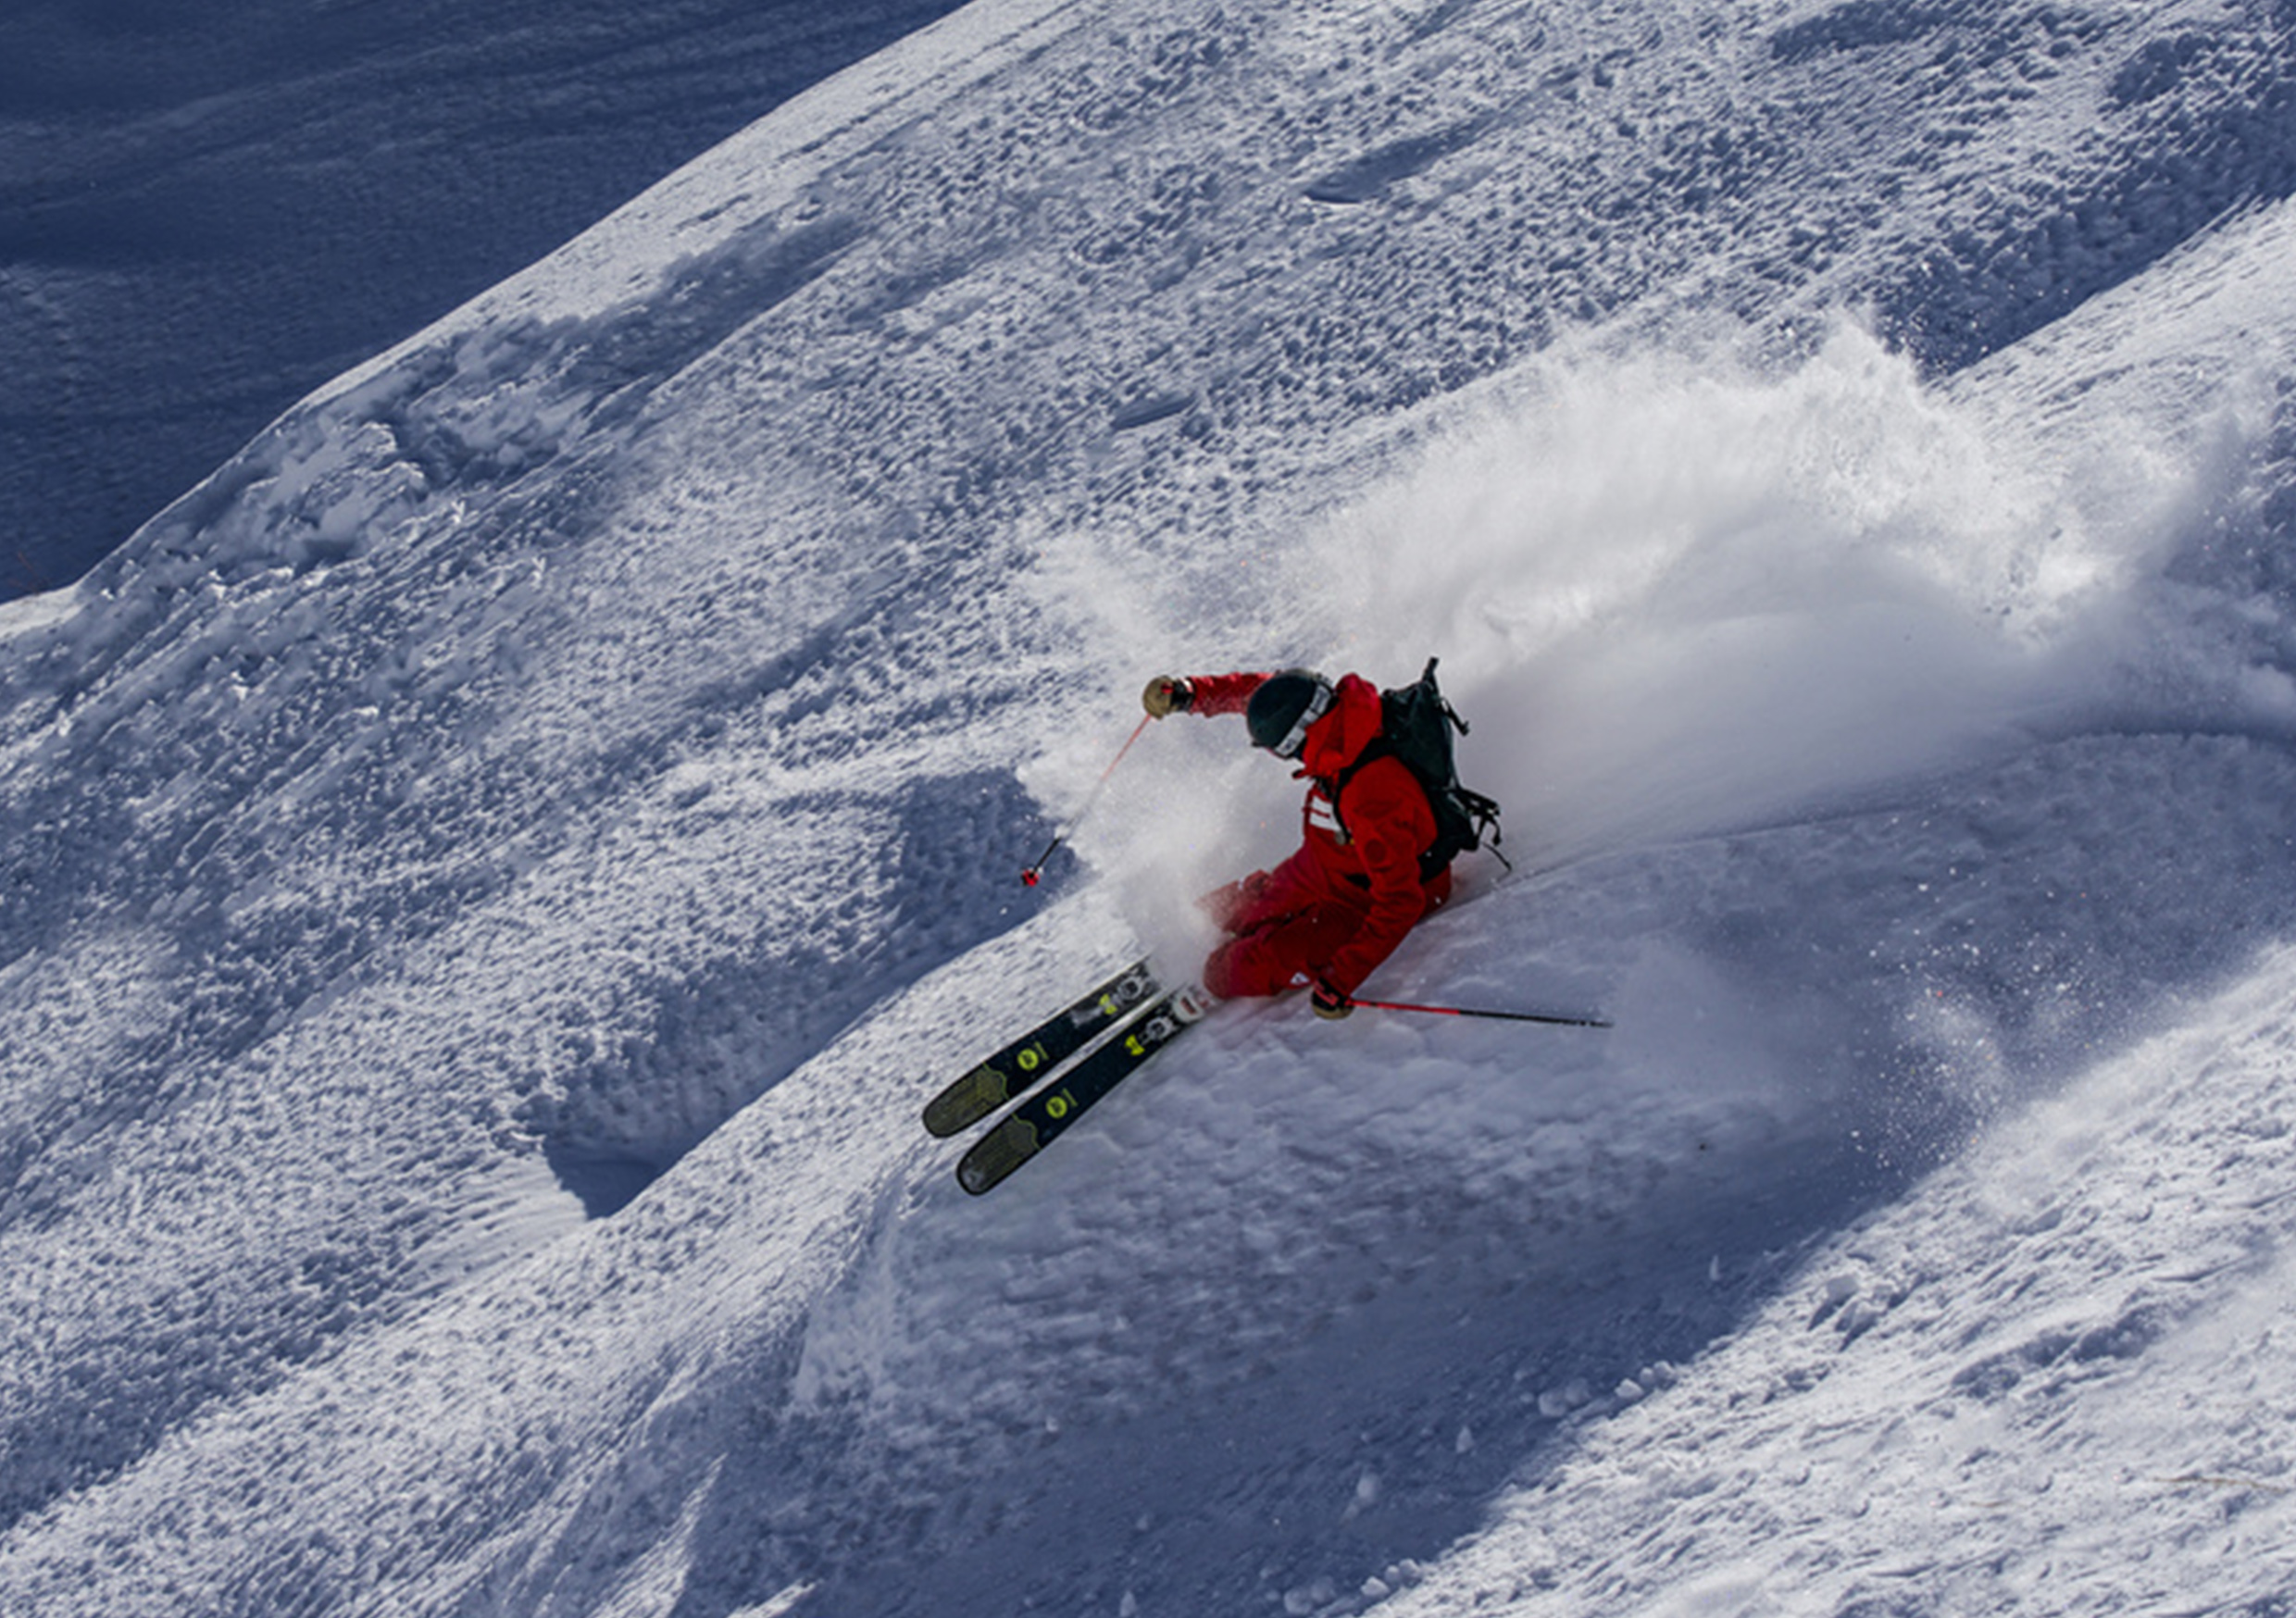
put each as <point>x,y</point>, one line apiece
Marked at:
<point>494,871</point>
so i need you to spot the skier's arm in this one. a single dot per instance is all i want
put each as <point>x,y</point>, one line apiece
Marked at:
<point>1208,695</point>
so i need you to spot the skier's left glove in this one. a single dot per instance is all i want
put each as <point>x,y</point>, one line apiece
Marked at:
<point>1167,694</point>
<point>1330,1003</point>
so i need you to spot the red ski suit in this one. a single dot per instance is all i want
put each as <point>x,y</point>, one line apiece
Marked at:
<point>1339,907</point>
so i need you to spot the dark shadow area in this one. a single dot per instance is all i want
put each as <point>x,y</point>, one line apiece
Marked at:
<point>1366,177</point>
<point>602,1182</point>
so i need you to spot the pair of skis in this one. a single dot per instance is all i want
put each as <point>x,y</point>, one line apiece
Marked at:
<point>1149,1017</point>
<point>1043,1066</point>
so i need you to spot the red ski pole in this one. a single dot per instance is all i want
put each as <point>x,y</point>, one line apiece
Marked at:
<point>1035,872</point>
<point>1460,1011</point>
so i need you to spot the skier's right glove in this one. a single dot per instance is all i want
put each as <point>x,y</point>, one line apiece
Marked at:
<point>1167,694</point>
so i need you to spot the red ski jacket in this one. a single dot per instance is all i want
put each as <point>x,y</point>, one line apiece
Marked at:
<point>1360,852</point>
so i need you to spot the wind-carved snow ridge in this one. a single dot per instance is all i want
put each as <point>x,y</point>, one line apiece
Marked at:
<point>477,411</point>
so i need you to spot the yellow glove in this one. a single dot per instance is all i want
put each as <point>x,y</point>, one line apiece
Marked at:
<point>1168,694</point>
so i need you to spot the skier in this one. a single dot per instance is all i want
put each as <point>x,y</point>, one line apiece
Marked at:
<point>1326,918</point>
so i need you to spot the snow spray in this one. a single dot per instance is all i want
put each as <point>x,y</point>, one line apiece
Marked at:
<point>1035,873</point>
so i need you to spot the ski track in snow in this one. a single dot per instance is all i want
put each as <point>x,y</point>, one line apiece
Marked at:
<point>494,870</point>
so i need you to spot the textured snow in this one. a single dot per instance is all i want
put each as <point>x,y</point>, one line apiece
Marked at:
<point>494,870</point>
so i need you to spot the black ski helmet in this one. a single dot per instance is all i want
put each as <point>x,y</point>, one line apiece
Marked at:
<point>1284,707</point>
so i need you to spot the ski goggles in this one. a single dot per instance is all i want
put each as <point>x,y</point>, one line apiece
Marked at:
<point>1319,703</point>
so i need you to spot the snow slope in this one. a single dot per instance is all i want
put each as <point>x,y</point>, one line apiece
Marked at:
<point>494,871</point>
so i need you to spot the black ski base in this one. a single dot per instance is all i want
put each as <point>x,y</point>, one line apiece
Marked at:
<point>1035,1053</point>
<point>1040,1119</point>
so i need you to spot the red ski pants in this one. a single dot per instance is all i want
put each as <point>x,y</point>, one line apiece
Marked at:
<point>1267,959</point>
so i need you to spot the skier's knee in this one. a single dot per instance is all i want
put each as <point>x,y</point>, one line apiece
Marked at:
<point>1227,970</point>
<point>1242,968</point>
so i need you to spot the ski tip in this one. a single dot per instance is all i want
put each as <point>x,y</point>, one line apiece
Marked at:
<point>970,1099</point>
<point>1000,1152</point>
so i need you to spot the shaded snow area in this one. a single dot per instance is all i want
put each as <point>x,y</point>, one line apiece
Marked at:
<point>206,211</point>
<point>493,873</point>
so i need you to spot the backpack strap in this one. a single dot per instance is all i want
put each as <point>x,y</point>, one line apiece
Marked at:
<point>1377,748</point>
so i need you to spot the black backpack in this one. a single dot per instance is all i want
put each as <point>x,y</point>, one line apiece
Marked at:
<point>1415,723</point>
